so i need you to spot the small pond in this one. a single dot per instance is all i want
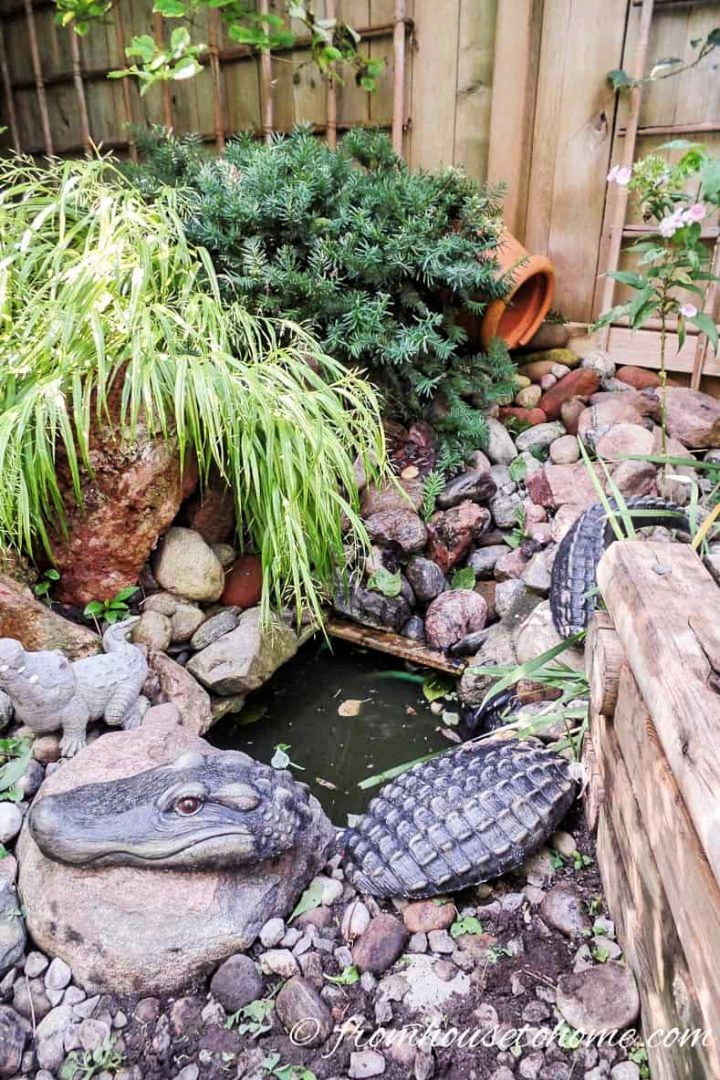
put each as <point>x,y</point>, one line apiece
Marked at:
<point>300,705</point>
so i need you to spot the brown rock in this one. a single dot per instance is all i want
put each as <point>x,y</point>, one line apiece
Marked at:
<point>554,485</point>
<point>243,582</point>
<point>138,931</point>
<point>635,478</point>
<point>535,369</point>
<point>425,915</point>
<point>133,495</point>
<point>401,527</point>
<point>38,627</point>
<point>453,615</point>
<point>396,494</point>
<point>600,998</point>
<point>211,512</point>
<point>511,565</point>
<point>639,378</point>
<point>380,945</point>
<point>174,684</point>
<point>302,1011</point>
<point>570,414</point>
<point>451,533</point>
<point>623,441</point>
<point>528,416</point>
<point>486,589</point>
<point>528,397</point>
<point>563,909</point>
<point>551,335</point>
<point>693,417</point>
<point>580,383</point>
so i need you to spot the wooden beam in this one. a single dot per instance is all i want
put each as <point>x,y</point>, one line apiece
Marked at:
<point>80,91</point>
<point>654,594</point>
<point>394,644</point>
<point>398,113</point>
<point>38,77</point>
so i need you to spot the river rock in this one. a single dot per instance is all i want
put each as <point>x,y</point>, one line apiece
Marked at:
<point>11,820</point>
<point>564,520</point>
<point>452,532</point>
<point>540,437</point>
<point>414,629</point>
<point>537,634</point>
<point>504,508</point>
<point>452,615</point>
<point>185,618</point>
<point>14,1032</point>
<point>135,491</point>
<point>303,1012</point>
<point>580,383</point>
<point>211,511</point>
<point>511,565</point>
<point>425,915</point>
<point>153,630</point>
<point>497,649</point>
<point>245,658</point>
<point>173,683</point>
<point>601,363</point>
<point>562,908</point>
<point>623,441</point>
<point>603,997</point>
<point>137,931</point>
<point>693,417</point>
<point>243,582</point>
<point>368,607</point>
<point>565,450</point>
<point>12,928</point>
<point>500,448</point>
<point>476,486</point>
<point>380,945</point>
<point>531,417</point>
<point>635,478</point>
<point>185,564</point>
<point>555,485</point>
<point>483,559</point>
<point>396,494</point>
<point>536,574</point>
<point>528,397</point>
<point>638,378</point>
<point>213,628</point>
<point>37,627</point>
<point>612,410</point>
<point>402,527</point>
<point>236,983</point>
<point>426,578</point>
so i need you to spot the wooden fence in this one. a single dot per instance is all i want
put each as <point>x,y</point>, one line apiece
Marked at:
<point>512,90</point>
<point>654,789</point>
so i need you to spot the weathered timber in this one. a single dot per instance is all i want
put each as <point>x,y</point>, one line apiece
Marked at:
<point>395,645</point>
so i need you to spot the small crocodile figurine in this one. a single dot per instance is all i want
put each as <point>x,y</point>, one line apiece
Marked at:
<point>459,819</point>
<point>48,692</point>
<point>573,582</point>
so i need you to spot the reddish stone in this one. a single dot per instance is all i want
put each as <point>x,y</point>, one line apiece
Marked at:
<point>211,512</point>
<point>555,485</point>
<point>638,377</point>
<point>693,418</point>
<point>635,478</point>
<point>243,582</point>
<point>486,589</point>
<point>37,627</point>
<point>451,533</point>
<point>570,414</point>
<point>645,402</point>
<point>452,615</point>
<point>580,383</point>
<point>422,916</point>
<point>511,565</point>
<point>528,416</point>
<point>131,498</point>
<point>624,441</point>
<point>616,409</point>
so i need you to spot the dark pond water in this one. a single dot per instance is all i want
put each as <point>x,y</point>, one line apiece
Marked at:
<point>300,705</point>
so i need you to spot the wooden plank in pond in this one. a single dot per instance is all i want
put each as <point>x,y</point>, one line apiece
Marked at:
<point>663,603</point>
<point>394,644</point>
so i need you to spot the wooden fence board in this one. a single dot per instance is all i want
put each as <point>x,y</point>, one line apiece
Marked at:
<point>476,50</point>
<point>434,82</point>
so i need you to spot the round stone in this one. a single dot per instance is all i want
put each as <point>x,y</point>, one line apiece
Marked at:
<point>599,998</point>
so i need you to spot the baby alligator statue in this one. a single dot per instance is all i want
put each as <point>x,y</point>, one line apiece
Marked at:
<point>48,692</point>
<point>573,581</point>
<point>459,819</point>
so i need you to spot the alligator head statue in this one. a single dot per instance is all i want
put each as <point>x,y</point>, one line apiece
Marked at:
<point>204,811</point>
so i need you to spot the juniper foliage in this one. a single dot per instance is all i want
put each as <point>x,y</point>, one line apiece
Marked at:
<point>378,260</point>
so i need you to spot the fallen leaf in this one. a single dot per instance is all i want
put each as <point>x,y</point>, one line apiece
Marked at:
<point>350,707</point>
<point>325,783</point>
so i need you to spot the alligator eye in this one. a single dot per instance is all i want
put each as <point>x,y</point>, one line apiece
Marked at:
<point>188,805</point>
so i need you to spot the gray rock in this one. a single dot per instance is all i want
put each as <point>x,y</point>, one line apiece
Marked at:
<point>190,1072</point>
<point>601,363</point>
<point>58,975</point>
<point>504,508</point>
<point>30,781</point>
<point>272,933</point>
<point>380,945</point>
<point>626,1070</point>
<point>30,999</point>
<point>14,1031</point>
<point>562,908</point>
<point>278,962</point>
<point>184,617</point>
<point>92,1033</point>
<point>402,527</point>
<point>483,560</point>
<point>496,649</point>
<point>536,574</point>
<point>245,658</point>
<point>11,820</point>
<point>441,942</point>
<point>187,566</point>
<point>453,615</point>
<point>35,964</point>
<point>530,1066</point>
<point>213,628</point>
<point>426,578</point>
<point>366,1063</point>
<point>540,436</point>
<point>368,607</point>
<point>12,929</point>
<point>303,1013</point>
<point>500,448</point>
<point>508,594</point>
<point>477,486</point>
<point>414,629</point>
<point>601,997</point>
<point>50,1037</point>
<point>153,629</point>
<point>236,983</point>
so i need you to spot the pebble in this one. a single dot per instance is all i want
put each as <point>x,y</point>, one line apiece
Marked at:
<point>272,933</point>
<point>35,964</point>
<point>608,949</point>
<point>190,1072</point>
<point>14,1032</point>
<point>603,996</point>
<point>50,1038</point>
<point>291,937</point>
<point>355,920</point>
<point>536,1011</point>
<point>426,915</point>
<point>381,944</point>
<point>626,1070</point>
<point>563,842</point>
<point>11,820</point>
<point>418,943</point>
<point>92,1033</point>
<point>279,962</point>
<point>562,908</point>
<point>331,889</point>
<point>440,941</point>
<point>302,1011</point>
<point>58,975</point>
<point>237,982</point>
<point>46,749</point>
<point>530,1066</point>
<point>366,1063</point>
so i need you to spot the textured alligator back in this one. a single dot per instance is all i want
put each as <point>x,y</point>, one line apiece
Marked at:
<point>573,580</point>
<point>459,819</point>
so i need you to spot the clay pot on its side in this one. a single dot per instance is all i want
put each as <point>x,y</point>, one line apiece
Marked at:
<point>243,582</point>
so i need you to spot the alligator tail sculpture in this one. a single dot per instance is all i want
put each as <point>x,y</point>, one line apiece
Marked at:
<point>48,692</point>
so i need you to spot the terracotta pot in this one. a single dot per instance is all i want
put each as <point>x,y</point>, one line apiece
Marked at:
<point>243,582</point>
<point>520,314</point>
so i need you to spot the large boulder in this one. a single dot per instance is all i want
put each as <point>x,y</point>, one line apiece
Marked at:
<point>693,417</point>
<point>134,493</point>
<point>138,931</point>
<point>245,658</point>
<point>37,627</point>
<point>187,566</point>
